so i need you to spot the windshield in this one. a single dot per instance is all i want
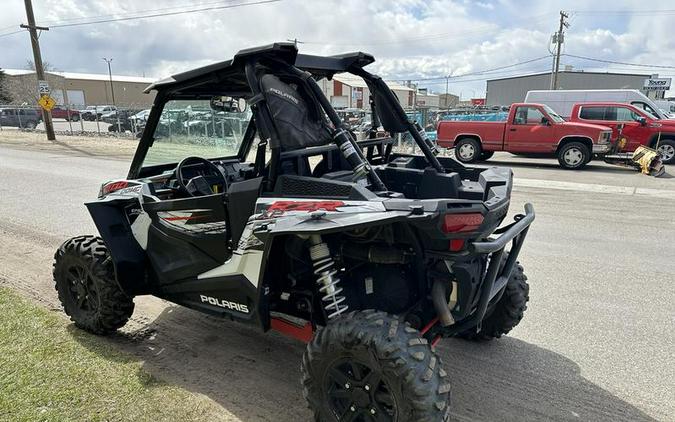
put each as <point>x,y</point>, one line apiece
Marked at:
<point>192,128</point>
<point>553,115</point>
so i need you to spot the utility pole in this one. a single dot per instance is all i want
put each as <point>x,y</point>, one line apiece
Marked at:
<point>447,100</point>
<point>37,58</point>
<point>295,41</point>
<point>559,38</point>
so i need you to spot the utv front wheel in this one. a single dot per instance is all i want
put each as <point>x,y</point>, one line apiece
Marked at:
<point>369,366</point>
<point>507,312</point>
<point>86,285</point>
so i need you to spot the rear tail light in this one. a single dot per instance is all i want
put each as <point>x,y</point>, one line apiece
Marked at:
<point>461,223</point>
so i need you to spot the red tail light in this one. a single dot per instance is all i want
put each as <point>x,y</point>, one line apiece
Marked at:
<point>461,223</point>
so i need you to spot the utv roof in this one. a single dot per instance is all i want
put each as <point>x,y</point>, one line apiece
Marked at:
<point>230,73</point>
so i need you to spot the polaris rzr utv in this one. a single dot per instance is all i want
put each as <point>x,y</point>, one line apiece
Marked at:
<point>369,256</point>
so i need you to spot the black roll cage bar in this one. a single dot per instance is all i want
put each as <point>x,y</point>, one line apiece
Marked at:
<point>281,59</point>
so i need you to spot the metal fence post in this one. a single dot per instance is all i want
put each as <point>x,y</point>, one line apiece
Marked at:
<point>98,127</point>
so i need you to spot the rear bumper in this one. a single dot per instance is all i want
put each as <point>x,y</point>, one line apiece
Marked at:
<point>498,272</point>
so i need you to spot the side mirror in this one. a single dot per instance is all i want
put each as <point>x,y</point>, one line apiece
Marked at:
<point>545,121</point>
<point>641,120</point>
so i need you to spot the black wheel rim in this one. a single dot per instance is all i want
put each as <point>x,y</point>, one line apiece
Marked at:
<point>82,289</point>
<point>357,392</point>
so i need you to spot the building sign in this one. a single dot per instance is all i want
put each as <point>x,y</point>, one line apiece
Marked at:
<point>43,87</point>
<point>478,101</point>
<point>657,84</point>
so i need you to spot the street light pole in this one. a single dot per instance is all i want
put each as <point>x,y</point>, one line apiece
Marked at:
<point>112,93</point>
<point>112,89</point>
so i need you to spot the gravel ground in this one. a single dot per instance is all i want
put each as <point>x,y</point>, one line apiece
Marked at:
<point>596,343</point>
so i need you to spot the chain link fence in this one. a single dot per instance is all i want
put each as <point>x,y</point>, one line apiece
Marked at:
<point>90,120</point>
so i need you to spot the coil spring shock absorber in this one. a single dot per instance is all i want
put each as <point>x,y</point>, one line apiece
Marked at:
<point>324,269</point>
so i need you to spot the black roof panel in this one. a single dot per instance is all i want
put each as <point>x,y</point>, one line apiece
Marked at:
<point>232,71</point>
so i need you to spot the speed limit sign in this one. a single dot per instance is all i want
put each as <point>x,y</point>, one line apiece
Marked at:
<point>43,87</point>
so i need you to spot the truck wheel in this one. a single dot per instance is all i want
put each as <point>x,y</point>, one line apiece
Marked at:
<point>30,125</point>
<point>486,155</point>
<point>467,150</point>
<point>666,150</point>
<point>86,285</point>
<point>368,365</point>
<point>573,155</point>
<point>507,312</point>
<point>74,118</point>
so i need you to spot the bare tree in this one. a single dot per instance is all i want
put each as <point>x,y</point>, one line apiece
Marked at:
<point>5,96</point>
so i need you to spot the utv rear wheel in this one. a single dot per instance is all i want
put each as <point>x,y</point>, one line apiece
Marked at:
<point>369,366</point>
<point>507,312</point>
<point>574,155</point>
<point>86,285</point>
<point>468,150</point>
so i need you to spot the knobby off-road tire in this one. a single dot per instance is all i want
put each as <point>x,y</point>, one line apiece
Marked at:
<point>368,365</point>
<point>507,312</point>
<point>86,285</point>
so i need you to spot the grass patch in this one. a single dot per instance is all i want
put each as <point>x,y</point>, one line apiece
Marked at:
<point>50,371</point>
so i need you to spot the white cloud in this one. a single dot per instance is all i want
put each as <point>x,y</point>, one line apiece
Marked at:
<point>409,38</point>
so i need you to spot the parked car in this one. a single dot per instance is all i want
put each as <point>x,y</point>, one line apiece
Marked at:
<point>60,112</point>
<point>92,112</point>
<point>27,118</point>
<point>88,113</point>
<point>562,100</point>
<point>530,129</point>
<point>639,126</point>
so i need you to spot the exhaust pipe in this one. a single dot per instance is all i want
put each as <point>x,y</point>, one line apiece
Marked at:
<point>439,297</point>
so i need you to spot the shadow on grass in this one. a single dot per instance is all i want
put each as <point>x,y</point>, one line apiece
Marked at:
<point>255,376</point>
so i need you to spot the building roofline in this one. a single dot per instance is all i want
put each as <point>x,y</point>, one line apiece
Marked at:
<point>83,76</point>
<point>571,72</point>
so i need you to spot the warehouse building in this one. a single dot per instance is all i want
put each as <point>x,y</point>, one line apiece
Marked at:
<point>506,91</point>
<point>80,89</point>
<point>349,91</point>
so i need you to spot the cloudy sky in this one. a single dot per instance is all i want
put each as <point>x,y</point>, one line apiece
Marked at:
<point>411,39</point>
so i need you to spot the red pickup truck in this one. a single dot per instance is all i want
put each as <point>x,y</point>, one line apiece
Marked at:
<point>529,129</point>
<point>639,126</point>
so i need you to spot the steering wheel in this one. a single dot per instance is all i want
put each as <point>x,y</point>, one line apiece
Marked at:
<point>200,185</point>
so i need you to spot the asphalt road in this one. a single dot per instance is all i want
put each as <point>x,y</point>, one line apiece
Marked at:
<point>597,342</point>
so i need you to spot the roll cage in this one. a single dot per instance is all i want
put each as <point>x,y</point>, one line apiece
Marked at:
<point>240,77</point>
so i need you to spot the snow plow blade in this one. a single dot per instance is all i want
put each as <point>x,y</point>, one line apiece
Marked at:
<point>643,159</point>
<point>649,161</point>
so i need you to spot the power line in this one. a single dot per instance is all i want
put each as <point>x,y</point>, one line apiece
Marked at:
<point>132,13</point>
<point>435,37</point>
<point>655,66</point>
<point>476,72</point>
<point>155,15</point>
<point>624,12</point>
<point>11,33</point>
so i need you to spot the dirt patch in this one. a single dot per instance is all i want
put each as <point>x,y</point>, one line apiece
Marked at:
<point>91,146</point>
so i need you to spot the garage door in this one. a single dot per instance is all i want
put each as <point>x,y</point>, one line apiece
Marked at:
<point>76,98</point>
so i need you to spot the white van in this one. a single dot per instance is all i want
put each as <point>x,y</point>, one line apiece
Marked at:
<point>562,100</point>
<point>667,106</point>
